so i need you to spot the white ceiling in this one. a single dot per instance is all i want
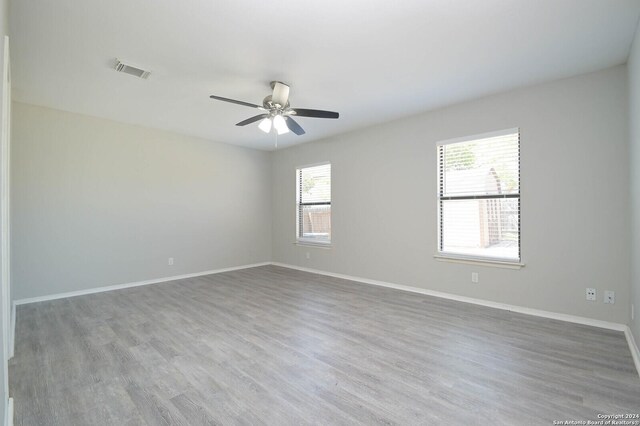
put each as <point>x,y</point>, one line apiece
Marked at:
<point>371,60</point>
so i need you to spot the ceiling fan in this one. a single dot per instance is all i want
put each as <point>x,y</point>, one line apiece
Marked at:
<point>277,112</point>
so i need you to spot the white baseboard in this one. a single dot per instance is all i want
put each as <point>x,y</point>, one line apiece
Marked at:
<point>8,421</point>
<point>12,331</point>
<point>513,308</point>
<point>133,284</point>
<point>482,302</point>
<point>633,347</point>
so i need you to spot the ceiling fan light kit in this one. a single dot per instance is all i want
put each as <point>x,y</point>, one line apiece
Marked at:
<point>265,125</point>
<point>280,125</point>
<point>277,113</point>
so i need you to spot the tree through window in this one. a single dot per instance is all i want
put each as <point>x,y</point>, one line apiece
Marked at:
<point>479,196</point>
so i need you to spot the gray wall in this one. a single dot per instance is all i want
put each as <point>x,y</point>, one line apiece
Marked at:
<point>634,121</point>
<point>98,203</point>
<point>4,30</point>
<point>575,209</point>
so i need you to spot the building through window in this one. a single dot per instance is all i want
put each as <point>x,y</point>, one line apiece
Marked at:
<point>479,196</point>
<point>313,203</point>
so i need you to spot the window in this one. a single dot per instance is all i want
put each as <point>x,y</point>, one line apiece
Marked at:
<point>479,197</point>
<point>313,202</point>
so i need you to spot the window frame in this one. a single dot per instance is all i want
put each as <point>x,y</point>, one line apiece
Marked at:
<point>467,258</point>
<point>299,205</point>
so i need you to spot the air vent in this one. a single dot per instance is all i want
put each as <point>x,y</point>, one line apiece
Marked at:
<point>131,70</point>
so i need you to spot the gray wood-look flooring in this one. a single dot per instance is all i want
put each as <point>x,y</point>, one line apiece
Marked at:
<point>275,346</point>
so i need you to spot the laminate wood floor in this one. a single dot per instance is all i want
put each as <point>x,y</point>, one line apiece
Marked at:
<point>275,346</point>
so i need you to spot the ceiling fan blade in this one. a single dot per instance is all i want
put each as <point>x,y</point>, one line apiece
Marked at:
<point>280,93</point>
<point>252,119</point>
<point>294,126</point>
<point>233,101</point>
<point>315,113</point>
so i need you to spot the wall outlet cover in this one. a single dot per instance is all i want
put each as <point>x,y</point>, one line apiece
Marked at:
<point>591,294</point>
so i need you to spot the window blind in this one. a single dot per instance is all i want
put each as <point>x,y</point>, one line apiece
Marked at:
<point>479,196</point>
<point>313,204</point>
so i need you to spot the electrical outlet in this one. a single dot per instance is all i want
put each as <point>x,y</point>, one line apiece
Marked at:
<point>170,261</point>
<point>610,297</point>
<point>591,294</point>
<point>308,255</point>
<point>474,277</point>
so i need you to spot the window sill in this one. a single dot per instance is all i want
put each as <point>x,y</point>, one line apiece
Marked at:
<point>474,261</point>
<point>315,244</point>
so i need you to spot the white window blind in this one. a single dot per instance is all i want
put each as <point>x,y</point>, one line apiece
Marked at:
<point>313,203</point>
<point>479,196</point>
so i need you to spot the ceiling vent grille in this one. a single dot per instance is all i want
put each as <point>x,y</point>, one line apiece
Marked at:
<point>131,70</point>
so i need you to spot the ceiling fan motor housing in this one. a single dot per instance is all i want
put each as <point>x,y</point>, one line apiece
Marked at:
<point>272,107</point>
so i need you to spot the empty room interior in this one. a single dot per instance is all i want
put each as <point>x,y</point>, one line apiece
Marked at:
<point>219,212</point>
